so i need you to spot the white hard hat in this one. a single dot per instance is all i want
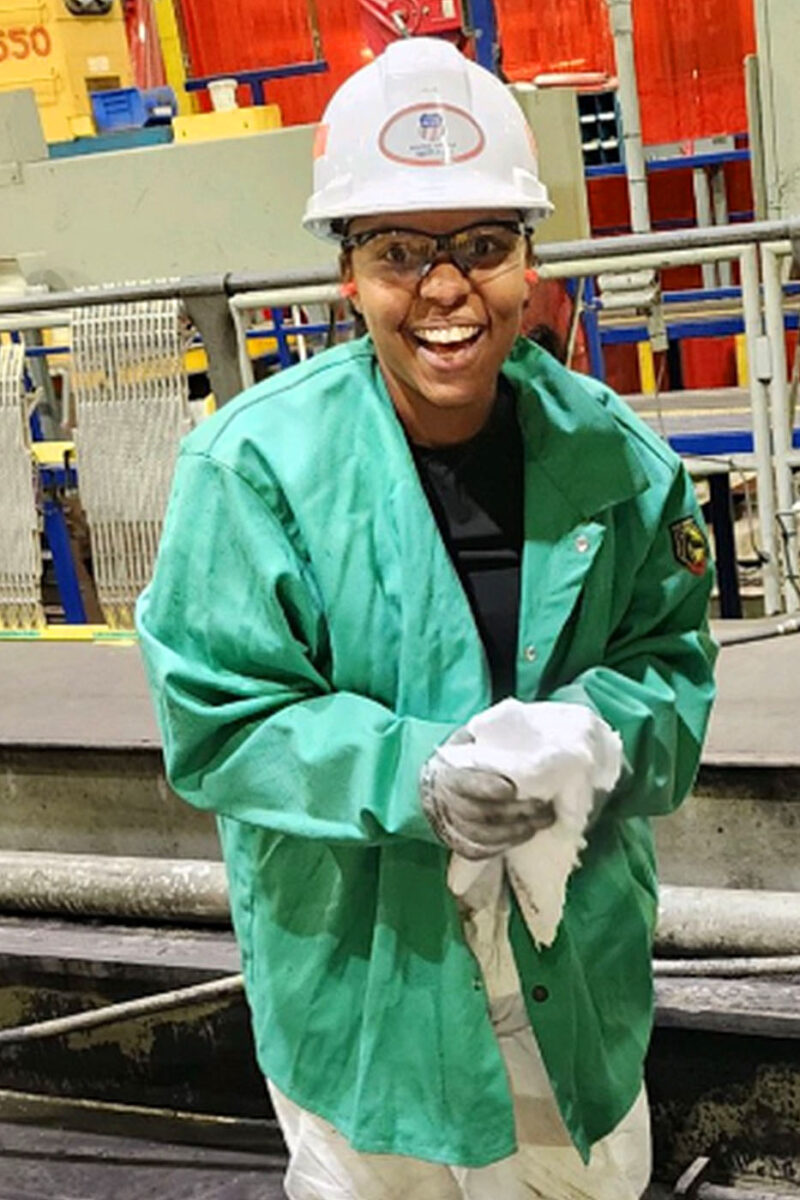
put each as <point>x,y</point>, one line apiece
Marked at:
<point>422,128</point>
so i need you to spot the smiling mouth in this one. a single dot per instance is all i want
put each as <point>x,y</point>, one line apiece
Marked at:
<point>447,338</point>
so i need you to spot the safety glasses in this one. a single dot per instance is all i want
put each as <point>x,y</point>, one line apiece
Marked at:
<point>405,256</point>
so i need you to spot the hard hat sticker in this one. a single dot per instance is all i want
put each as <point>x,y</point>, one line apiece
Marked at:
<point>431,135</point>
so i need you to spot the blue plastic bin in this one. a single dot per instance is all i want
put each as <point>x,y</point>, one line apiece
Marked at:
<point>120,108</point>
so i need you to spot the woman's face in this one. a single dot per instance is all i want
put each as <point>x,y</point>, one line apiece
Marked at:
<point>442,338</point>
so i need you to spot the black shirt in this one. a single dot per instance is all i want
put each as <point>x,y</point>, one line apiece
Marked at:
<point>476,490</point>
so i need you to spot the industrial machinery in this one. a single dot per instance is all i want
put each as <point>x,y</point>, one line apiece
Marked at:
<point>471,24</point>
<point>64,50</point>
<point>386,20</point>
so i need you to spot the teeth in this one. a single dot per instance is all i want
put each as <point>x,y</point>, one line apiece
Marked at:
<point>449,335</point>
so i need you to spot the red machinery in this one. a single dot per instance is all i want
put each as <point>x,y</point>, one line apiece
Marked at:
<point>386,20</point>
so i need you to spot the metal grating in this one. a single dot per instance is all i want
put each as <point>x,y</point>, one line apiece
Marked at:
<point>131,402</point>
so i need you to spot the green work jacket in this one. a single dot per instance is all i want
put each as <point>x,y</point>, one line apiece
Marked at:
<point>308,644</point>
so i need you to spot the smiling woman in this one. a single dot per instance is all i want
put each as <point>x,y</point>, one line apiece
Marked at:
<point>442,297</point>
<point>420,635</point>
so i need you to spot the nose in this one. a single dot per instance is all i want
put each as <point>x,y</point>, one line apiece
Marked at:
<point>444,284</point>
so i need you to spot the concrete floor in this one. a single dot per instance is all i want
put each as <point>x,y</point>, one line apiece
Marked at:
<point>51,1164</point>
<point>74,694</point>
<point>95,695</point>
<point>755,717</point>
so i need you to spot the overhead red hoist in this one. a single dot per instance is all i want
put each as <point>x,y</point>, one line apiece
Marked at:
<point>388,20</point>
<point>470,24</point>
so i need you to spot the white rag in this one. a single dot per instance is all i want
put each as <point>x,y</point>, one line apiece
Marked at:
<point>559,753</point>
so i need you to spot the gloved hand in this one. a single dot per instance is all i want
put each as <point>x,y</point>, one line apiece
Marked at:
<point>546,748</point>
<point>477,813</point>
<point>562,753</point>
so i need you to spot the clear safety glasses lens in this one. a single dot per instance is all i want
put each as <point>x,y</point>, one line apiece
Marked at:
<point>404,256</point>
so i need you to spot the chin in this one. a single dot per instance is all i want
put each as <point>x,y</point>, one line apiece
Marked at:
<point>452,399</point>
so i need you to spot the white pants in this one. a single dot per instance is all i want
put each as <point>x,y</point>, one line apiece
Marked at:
<point>323,1166</point>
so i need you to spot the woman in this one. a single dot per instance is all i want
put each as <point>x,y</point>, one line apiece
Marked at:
<point>430,592</point>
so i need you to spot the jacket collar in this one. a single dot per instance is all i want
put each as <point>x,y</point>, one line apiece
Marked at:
<point>570,433</point>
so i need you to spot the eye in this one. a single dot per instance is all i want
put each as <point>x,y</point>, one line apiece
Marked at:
<point>397,253</point>
<point>484,243</point>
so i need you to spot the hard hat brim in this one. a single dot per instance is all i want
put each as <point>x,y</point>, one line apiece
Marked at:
<point>431,195</point>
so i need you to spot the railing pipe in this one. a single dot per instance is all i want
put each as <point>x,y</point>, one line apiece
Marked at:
<point>692,920</point>
<point>164,289</point>
<point>615,248</point>
<point>283,297</point>
<point>33,321</point>
<point>751,306</point>
<point>178,890</point>
<point>708,921</point>
<point>771,254</point>
<point>702,211</point>
<point>559,268</point>
<point>621,18</point>
<point>672,239</point>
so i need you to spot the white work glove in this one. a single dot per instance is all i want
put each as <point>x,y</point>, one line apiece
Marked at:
<point>477,812</point>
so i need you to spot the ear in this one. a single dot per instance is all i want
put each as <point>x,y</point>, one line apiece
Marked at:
<point>531,274</point>
<point>348,287</point>
<point>531,279</point>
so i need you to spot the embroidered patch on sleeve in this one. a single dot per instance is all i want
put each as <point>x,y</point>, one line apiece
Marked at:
<point>689,545</point>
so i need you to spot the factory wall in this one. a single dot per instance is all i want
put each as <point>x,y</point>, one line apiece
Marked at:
<point>689,52</point>
<point>688,56</point>
<point>224,35</point>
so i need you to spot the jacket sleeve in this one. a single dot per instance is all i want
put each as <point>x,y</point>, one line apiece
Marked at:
<point>655,685</point>
<point>235,647</point>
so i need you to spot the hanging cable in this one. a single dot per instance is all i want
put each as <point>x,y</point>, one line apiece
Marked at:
<point>200,993</point>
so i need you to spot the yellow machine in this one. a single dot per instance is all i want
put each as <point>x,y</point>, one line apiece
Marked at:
<point>64,50</point>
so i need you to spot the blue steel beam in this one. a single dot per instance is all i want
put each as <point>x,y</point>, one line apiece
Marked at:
<point>723,327</point>
<point>679,163</point>
<point>728,441</point>
<point>255,80</point>
<point>591,328</point>
<point>57,537</point>
<point>483,22</point>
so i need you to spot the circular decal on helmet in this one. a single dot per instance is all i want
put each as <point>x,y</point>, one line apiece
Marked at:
<point>431,135</point>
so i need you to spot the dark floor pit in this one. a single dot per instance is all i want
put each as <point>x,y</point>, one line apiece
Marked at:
<point>732,1097</point>
<point>196,1059</point>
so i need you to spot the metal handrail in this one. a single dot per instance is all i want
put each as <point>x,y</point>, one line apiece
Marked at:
<point>231,283</point>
